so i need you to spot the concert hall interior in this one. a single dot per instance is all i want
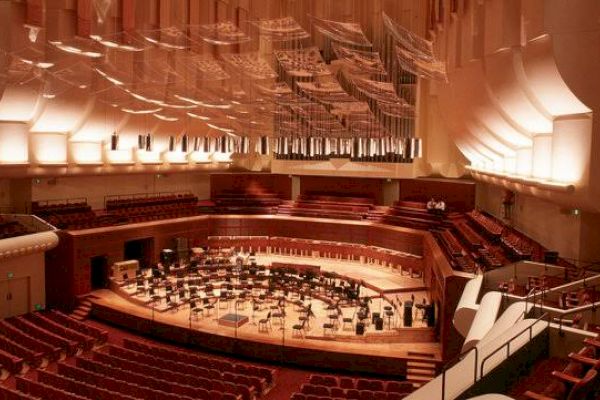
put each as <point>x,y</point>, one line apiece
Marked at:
<point>299,199</point>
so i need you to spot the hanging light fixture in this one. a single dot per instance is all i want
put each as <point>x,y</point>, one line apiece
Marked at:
<point>141,142</point>
<point>184,143</point>
<point>114,141</point>
<point>171,143</point>
<point>197,143</point>
<point>244,145</point>
<point>262,146</point>
<point>148,142</point>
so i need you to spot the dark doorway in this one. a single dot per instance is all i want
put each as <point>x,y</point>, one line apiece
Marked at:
<point>99,272</point>
<point>139,249</point>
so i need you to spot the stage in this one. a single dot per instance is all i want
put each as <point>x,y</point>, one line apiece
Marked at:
<point>281,339</point>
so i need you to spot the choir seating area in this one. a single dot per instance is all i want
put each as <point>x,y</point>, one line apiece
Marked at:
<point>412,214</point>
<point>11,228</point>
<point>329,205</point>
<point>327,387</point>
<point>570,378</point>
<point>249,201</point>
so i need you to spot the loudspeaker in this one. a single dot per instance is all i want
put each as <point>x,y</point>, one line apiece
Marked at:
<point>360,328</point>
<point>379,324</point>
<point>430,315</point>
<point>408,313</point>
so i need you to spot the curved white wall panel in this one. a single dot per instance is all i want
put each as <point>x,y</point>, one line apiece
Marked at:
<point>484,319</point>
<point>467,305</point>
<point>49,148</point>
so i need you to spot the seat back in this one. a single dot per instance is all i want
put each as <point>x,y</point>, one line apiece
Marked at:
<point>584,386</point>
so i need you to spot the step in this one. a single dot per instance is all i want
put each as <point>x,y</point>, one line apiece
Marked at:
<point>422,373</point>
<point>421,354</point>
<point>420,364</point>
<point>418,378</point>
<point>81,313</point>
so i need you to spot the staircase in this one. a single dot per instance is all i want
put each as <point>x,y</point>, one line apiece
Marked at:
<point>82,312</point>
<point>421,369</point>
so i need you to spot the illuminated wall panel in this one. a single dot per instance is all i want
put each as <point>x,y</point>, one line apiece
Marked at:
<point>13,143</point>
<point>124,156</point>
<point>571,148</point>
<point>175,157</point>
<point>524,161</point>
<point>542,156</point>
<point>86,152</point>
<point>49,148</point>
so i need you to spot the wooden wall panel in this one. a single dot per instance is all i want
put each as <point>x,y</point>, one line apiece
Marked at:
<point>359,187</point>
<point>459,194</point>
<point>281,184</point>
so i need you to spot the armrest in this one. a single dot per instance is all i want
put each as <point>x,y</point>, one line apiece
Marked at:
<point>536,396</point>
<point>592,342</point>
<point>566,377</point>
<point>583,359</point>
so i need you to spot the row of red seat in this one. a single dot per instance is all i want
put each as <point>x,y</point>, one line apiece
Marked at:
<point>246,385</point>
<point>70,385</point>
<point>268,374</point>
<point>12,394</point>
<point>328,206</point>
<point>578,380</point>
<point>471,238</point>
<point>150,382</point>
<point>33,337</point>
<point>321,387</point>
<point>249,201</point>
<point>9,229</point>
<point>64,207</point>
<point>170,375</point>
<point>44,391</point>
<point>345,382</point>
<point>312,392</point>
<point>149,200</point>
<point>116,384</point>
<point>490,226</point>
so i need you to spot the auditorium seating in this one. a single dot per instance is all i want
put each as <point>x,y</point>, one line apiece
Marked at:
<point>411,214</point>
<point>9,229</point>
<point>576,380</point>
<point>262,377</point>
<point>341,387</point>
<point>70,214</point>
<point>155,206</point>
<point>246,202</point>
<point>335,206</point>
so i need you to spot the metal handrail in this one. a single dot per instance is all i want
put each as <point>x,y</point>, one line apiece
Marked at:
<point>585,307</point>
<point>507,343</point>
<point>455,361</point>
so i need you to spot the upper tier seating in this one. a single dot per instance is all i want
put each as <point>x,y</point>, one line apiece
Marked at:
<point>9,229</point>
<point>334,206</point>
<point>246,202</point>
<point>149,207</point>
<point>70,214</point>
